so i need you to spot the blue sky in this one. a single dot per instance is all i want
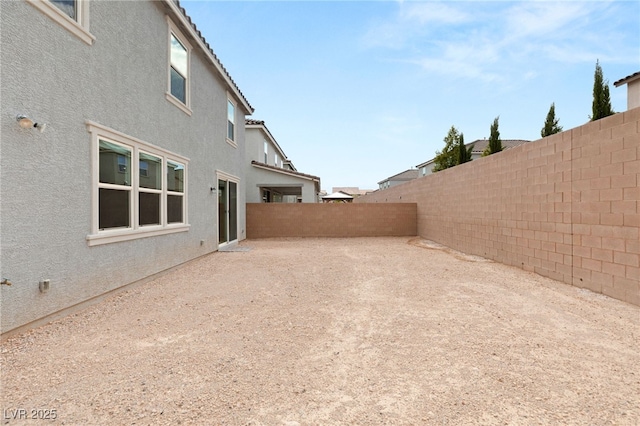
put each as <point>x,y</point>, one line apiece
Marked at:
<point>357,91</point>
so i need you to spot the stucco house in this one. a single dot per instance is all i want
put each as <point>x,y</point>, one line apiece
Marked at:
<point>398,178</point>
<point>633,89</point>
<point>271,177</point>
<point>479,146</point>
<point>140,166</point>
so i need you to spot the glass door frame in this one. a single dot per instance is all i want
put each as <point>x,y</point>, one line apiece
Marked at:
<point>228,210</point>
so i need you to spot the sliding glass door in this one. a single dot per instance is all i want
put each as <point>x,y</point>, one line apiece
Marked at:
<point>227,211</point>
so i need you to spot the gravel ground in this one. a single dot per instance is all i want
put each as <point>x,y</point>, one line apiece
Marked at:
<point>364,331</point>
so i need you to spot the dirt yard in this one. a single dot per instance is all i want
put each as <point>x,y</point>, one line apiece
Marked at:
<point>333,331</point>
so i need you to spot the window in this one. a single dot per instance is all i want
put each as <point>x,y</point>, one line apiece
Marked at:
<point>175,192</point>
<point>72,15</point>
<point>231,122</point>
<point>266,150</point>
<point>276,162</point>
<point>67,6</point>
<point>179,56</point>
<point>140,189</point>
<point>178,70</point>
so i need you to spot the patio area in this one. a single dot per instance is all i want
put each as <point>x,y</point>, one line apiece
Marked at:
<point>365,331</point>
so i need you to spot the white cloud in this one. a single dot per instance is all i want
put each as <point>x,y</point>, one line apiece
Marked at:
<point>413,20</point>
<point>491,41</point>
<point>544,19</point>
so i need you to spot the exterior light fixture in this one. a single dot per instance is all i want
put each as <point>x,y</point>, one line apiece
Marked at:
<point>24,121</point>
<point>27,123</point>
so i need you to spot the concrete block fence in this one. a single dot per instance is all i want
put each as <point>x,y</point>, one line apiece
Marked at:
<point>265,220</point>
<point>566,206</point>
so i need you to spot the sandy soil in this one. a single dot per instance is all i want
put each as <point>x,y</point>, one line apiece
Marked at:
<point>334,331</point>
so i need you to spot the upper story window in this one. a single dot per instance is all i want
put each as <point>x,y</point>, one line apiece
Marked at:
<point>266,152</point>
<point>179,82</point>
<point>276,162</point>
<point>139,189</point>
<point>72,15</point>
<point>67,6</point>
<point>179,69</point>
<point>231,122</point>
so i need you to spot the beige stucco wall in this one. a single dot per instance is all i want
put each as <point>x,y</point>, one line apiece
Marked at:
<point>566,206</point>
<point>633,95</point>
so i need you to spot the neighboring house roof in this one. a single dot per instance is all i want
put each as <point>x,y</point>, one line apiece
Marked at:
<point>405,176</point>
<point>259,124</point>
<point>628,79</point>
<point>339,195</point>
<point>479,145</point>
<point>186,22</point>
<point>426,163</point>
<point>284,171</point>
<point>351,190</point>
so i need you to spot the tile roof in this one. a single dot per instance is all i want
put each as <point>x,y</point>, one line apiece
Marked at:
<point>480,144</point>
<point>627,79</point>
<point>409,174</point>
<point>205,44</point>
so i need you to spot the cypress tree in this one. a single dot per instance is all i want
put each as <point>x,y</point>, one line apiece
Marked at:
<point>551,126</point>
<point>464,154</point>
<point>601,106</point>
<point>495,143</point>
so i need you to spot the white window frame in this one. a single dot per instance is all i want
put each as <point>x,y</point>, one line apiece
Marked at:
<point>233,142</point>
<point>135,231</point>
<point>266,152</point>
<point>173,30</point>
<point>222,175</point>
<point>79,27</point>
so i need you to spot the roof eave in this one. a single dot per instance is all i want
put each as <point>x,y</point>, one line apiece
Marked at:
<point>284,171</point>
<point>628,79</point>
<point>188,26</point>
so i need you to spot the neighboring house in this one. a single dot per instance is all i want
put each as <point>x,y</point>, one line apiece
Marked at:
<point>426,168</point>
<point>141,165</point>
<point>479,146</point>
<point>633,89</point>
<point>354,191</point>
<point>271,176</point>
<point>399,178</point>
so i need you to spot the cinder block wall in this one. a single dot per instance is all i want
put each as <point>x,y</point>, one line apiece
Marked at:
<point>266,220</point>
<point>566,206</point>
